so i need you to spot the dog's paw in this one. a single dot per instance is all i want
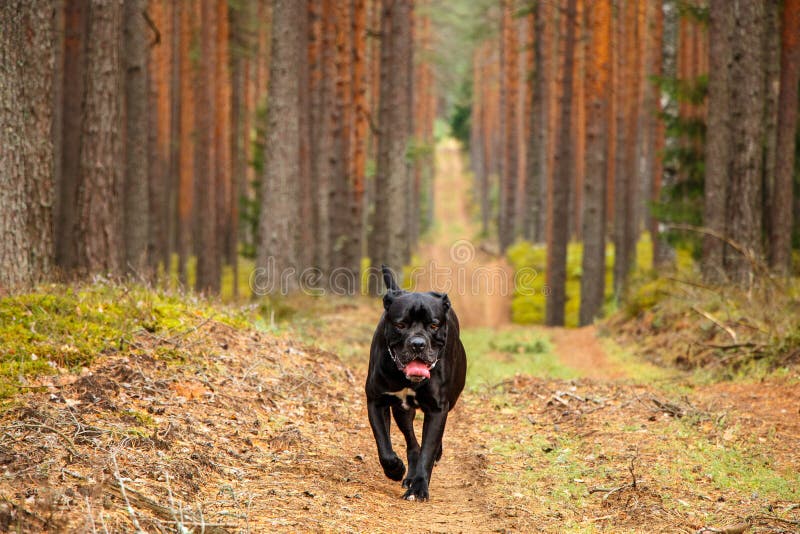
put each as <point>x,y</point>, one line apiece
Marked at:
<point>394,468</point>
<point>417,489</point>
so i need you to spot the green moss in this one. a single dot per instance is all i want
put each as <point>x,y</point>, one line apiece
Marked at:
<point>143,419</point>
<point>59,328</point>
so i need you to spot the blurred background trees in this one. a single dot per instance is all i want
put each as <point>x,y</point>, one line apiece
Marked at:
<point>171,139</point>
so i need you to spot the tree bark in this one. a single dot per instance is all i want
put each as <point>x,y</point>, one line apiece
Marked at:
<point>323,133</point>
<point>279,203</point>
<point>718,138</point>
<point>509,96</point>
<point>340,225</point>
<point>99,221</point>
<point>135,196</point>
<point>622,94</point>
<point>536,154</point>
<point>598,90</point>
<point>185,199</point>
<point>75,33</point>
<point>159,130</point>
<point>559,235</point>
<point>783,194</point>
<point>206,245</point>
<point>747,120</point>
<point>26,147</point>
<point>771,66</point>
<point>389,223</point>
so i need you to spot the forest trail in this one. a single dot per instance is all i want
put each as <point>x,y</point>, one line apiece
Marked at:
<point>231,429</point>
<point>481,284</point>
<point>478,283</point>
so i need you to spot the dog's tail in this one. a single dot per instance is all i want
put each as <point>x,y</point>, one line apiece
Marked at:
<point>388,279</point>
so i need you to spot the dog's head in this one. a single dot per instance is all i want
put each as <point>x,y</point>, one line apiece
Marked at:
<point>415,327</point>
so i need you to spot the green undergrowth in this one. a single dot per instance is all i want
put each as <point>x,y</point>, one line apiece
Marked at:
<point>720,331</point>
<point>495,355</point>
<point>530,296</point>
<point>60,328</point>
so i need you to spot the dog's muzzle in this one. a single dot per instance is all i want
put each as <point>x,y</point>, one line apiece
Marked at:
<point>415,369</point>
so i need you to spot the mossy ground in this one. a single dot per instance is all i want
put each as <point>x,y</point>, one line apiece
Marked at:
<point>58,329</point>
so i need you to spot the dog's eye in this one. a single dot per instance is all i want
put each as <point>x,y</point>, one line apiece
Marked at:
<point>400,326</point>
<point>434,326</point>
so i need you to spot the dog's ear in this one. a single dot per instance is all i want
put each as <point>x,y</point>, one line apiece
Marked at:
<point>388,279</point>
<point>445,302</point>
<point>445,299</point>
<point>389,297</point>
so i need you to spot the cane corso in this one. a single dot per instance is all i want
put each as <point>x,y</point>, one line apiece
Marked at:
<point>416,361</point>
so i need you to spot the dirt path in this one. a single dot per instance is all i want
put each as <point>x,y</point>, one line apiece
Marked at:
<point>479,284</point>
<point>579,349</point>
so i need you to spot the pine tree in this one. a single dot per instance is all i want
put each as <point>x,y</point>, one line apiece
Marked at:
<point>27,54</point>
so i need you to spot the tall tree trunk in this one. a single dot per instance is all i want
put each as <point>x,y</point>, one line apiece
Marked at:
<point>718,138</point>
<point>136,201</point>
<point>225,233</point>
<point>57,130</point>
<point>536,154</point>
<point>772,62</point>
<point>340,225</point>
<point>186,162</point>
<point>239,56</point>
<point>323,135</point>
<point>405,58</point>
<point>509,97</point>
<point>75,34</point>
<point>747,120</point>
<point>626,181</point>
<point>305,232</point>
<point>657,167</point>
<point>99,221</point>
<point>175,118</point>
<point>598,91</point>
<point>206,245</point>
<point>159,129</point>
<point>559,234</point>
<point>27,54</point>
<point>622,94</point>
<point>360,130</point>
<point>781,213</point>
<point>389,224</point>
<point>279,203</point>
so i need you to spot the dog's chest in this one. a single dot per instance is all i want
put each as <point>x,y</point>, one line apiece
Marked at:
<point>407,396</point>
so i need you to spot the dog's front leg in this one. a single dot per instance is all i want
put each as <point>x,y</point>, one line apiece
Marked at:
<point>392,465</point>
<point>432,432</point>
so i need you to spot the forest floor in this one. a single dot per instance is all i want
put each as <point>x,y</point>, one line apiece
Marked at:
<point>224,428</point>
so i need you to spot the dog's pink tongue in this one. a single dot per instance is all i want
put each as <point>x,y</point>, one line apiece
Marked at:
<point>417,368</point>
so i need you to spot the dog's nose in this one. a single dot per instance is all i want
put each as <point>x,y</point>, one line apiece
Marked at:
<point>417,344</point>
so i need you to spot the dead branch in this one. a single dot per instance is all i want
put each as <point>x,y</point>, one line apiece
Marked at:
<point>714,320</point>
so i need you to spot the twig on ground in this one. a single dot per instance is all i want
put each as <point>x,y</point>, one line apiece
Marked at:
<point>179,523</point>
<point>70,446</point>
<point>89,512</point>
<point>130,509</point>
<point>610,491</point>
<point>770,517</point>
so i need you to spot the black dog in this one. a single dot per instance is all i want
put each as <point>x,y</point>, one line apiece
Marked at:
<point>416,360</point>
